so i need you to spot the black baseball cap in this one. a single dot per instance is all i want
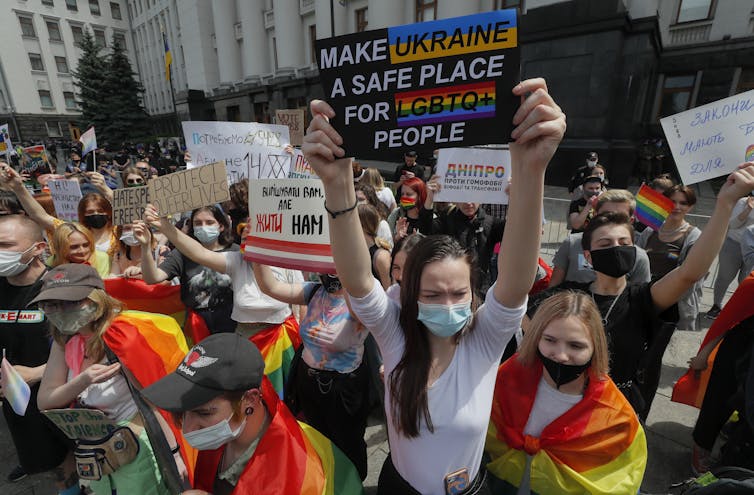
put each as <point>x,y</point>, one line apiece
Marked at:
<point>592,155</point>
<point>69,282</point>
<point>223,362</point>
<point>593,178</point>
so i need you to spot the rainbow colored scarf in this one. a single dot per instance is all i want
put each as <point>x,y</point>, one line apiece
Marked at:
<point>291,458</point>
<point>596,447</point>
<point>278,345</point>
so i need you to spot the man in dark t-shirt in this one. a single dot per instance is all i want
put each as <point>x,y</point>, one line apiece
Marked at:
<point>408,169</point>
<point>24,334</point>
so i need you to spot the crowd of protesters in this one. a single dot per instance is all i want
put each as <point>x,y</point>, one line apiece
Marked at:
<point>495,372</point>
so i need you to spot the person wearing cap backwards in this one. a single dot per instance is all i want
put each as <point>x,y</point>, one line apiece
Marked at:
<point>582,210</point>
<point>84,321</point>
<point>249,442</point>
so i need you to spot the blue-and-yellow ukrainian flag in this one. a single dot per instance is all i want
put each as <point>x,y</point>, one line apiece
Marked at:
<point>168,56</point>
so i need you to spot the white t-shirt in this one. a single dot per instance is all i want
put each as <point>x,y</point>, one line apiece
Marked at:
<point>250,304</point>
<point>112,397</point>
<point>386,196</point>
<point>549,405</point>
<point>459,401</point>
<point>394,293</point>
<point>384,232</point>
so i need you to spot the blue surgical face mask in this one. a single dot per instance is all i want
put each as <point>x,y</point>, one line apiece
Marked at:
<point>207,235</point>
<point>444,320</point>
<point>215,436</point>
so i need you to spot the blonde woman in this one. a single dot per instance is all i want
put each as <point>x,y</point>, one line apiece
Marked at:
<point>558,423</point>
<point>373,177</point>
<point>73,243</point>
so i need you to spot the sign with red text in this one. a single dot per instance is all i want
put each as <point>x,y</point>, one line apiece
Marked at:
<point>288,225</point>
<point>189,189</point>
<point>713,139</point>
<point>66,195</point>
<point>294,121</point>
<point>436,84</point>
<point>300,168</point>
<point>474,175</point>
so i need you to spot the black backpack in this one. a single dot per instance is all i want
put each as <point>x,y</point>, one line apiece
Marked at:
<point>723,480</point>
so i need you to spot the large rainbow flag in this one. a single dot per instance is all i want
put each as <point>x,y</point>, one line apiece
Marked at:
<point>691,387</point>
<point>596,447</point>
<point>150,346</point>
<point>291,458</point>
<point>652,208</point>
<point>278,345</point>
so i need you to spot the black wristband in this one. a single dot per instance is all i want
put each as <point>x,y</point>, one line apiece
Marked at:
<point>335,214</point>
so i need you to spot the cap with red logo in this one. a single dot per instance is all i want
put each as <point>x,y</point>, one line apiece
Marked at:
<point>69,282</point>
<point>223,362</point>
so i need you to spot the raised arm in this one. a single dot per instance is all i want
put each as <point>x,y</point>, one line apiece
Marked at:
<point>11,180</point>
<point>324,154</point>
<point>540,125</point>
<point>278,289</point>
<point>190,248</point>
<point>670,288</point>
<point>150,273</point>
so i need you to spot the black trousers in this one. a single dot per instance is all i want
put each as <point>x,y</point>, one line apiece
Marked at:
<point>337,405</point>
<point>392,483</point>
<point>723,383</point>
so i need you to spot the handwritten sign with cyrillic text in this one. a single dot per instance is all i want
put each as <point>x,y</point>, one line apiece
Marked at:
<point>66,195</point>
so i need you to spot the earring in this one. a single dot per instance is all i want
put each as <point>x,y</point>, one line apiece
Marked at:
<point>249,411</point>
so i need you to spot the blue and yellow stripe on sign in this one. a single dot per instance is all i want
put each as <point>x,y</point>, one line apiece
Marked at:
<point>451,37</point>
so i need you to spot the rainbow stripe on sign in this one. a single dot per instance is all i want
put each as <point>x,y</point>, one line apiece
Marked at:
<point>652,208</point>
<point>749,155</point>
<point>451,37</point>
<point>454,103</point>
<point>302,256</point>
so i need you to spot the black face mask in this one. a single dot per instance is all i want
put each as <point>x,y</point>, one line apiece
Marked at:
<point>331,283</point>
<point>95,221</point>
<point>562,373</point>
<point>614,261</point>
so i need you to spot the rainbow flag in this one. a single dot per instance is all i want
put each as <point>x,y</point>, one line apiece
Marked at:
<point>596,447</point>
<point>652,208</point>
<point>278,345</point>
<point>291,458</point>
<point>89,140</point>
<point>691,387</point>
<point>15,390</point>
<point>150,346</point>
<point>749,155</point>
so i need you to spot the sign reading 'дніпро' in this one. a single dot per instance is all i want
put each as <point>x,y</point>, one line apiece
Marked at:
<point>437,84</point>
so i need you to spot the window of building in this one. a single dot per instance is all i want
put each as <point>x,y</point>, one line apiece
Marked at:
<point>362,20</point>
<point>746,81</point>
<point>49,3</point>
<point>53,129</point>
<point>676,94</point>
<point>78,34</point>
<point>115,10</point>
<point>45,99</point>
<point>36,61</point>
<point>71,5</point>
<point>234,113</point>
<point>62,65</point>
<point>54,31</point>
<point>94,7</point>
<point>99,37</point>
<point>120,40</point>
<point>694,10</point>
<point>312,45</point>
<point>27,26</point>
<point>70,100</point>
<point>426,10</point>
<point>262,112</point>
<point>275,52</point>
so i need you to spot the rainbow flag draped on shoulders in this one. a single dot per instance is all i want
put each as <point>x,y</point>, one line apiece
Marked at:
<point>278,345</point>
<point>596,447</point>
<point>150,346</point>
<point>652,208</point>
<point>291,458</point>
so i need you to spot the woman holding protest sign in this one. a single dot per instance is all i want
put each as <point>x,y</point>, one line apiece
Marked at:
<point>436,345</point>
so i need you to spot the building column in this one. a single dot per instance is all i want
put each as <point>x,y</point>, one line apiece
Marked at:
<point>289,34</point>
<point>228,56</point>
<point>255,56</point>
<point>386,13</point>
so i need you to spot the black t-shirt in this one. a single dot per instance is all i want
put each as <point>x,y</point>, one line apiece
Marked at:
<point>576,206</point>
<point>24,332</point>
<point>631,325</point>
<point>201,288</point>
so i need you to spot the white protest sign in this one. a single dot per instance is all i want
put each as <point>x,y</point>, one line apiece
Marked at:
<point>249,150</point>
<point>294,120</point>
<point>288,225</point>
<point>66,195</point>
<point>473,174</point>
<point>713,139</point>
<point>189,189</point>
<point>300,168</point>
<point>129,204</point>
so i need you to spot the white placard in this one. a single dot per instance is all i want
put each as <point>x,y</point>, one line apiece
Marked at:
<point>713,139</point>
<point>473,175</point>
<point>249,150</point>
<point>66,195</point>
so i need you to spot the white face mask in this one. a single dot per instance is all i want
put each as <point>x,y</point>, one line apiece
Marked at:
<point>129,239</point>
<point>10,262</point>
<point>591,163</point>
<point>215,436</point>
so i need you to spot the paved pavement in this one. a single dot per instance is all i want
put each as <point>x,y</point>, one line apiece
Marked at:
<point>668,427</point>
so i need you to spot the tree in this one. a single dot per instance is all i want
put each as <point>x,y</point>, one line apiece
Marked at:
<point>89,79</point>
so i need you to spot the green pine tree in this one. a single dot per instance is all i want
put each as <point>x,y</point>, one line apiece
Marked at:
<point>89,78</point>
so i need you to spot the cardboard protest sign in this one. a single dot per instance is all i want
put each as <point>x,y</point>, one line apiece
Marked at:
<point>427,85</point>
<point>713,139</point>
<point>473,174</point>
<point>34,161</point>
<point>5,144</point>
<point>248,150</point>
<point>294,120</point>
<point>300,168</point>
<point>87,424</point>
<point>66,195</point>
<point>129,204</point>
<point>189,189</point>
<point>289,225</point>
